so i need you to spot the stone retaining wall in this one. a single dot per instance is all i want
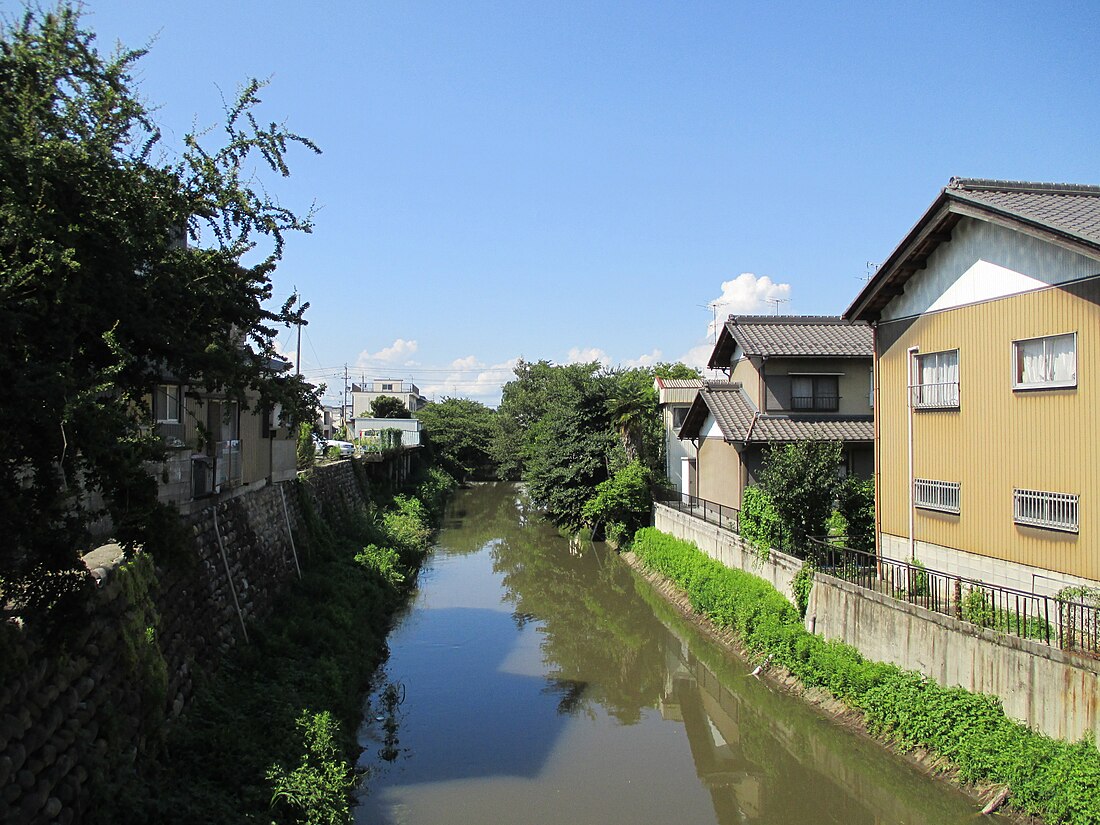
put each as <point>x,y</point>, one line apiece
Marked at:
<point>77,714</point>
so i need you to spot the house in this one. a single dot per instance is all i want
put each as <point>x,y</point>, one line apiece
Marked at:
<point>674,397</point>
<point>986,323</point>
<point>405,391</point>
<point>215,447</point>
<point>791,378</point>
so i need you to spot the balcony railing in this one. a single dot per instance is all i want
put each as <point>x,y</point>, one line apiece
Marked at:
<point>711,512</point>
<point>815,403</point>
<point>942,396</point>
<point>1067,624</point>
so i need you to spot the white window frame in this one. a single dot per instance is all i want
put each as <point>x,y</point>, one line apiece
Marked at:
<point>679,411</point>
<point>1051,511</point>
<point>1017,378</point>
<point>171,410</point>
<point>935,395</point>
<point>942,496</point>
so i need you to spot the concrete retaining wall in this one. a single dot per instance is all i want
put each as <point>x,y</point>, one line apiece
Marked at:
<point>76,713</point>
<point>728,548</point>
<point>1052,691</point>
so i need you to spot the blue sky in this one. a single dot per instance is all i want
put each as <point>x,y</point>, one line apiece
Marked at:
<point>572,181</point>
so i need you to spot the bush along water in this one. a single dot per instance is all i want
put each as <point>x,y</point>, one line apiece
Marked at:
<point>1056,780</point>
<point>271,737</point>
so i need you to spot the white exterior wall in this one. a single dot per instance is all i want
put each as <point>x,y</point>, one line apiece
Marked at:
<point>984,261</point>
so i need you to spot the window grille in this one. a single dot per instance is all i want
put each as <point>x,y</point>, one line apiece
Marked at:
<point>1038,508</point>
<point>936,495</point>
<point>936,383</point>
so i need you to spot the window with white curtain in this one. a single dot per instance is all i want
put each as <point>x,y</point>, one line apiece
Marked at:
<point>1040,363</point>
<point>167,404</point>
<point>936,382</point>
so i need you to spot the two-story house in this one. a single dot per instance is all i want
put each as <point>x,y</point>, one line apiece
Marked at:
<point>405,391</point>
<point>987,330</point>
<point>791,378</point>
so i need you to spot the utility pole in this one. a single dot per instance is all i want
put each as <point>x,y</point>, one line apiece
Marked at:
<point>298,353</point>
<point>345,394</point>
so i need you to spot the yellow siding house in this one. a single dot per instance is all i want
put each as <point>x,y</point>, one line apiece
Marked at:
<point>986,326</point>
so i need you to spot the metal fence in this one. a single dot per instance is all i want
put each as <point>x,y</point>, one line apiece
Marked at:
<point>1067,624</point>
<point>709,511</point>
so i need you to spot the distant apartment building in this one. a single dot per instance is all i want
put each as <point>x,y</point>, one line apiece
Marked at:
<point>405,391</point>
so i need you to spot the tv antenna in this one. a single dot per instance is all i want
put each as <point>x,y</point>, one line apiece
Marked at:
<point>777,302</point>
<point>713,307</point>
<point>871,270</point>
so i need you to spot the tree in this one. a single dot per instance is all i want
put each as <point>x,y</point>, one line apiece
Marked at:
<point>118,268</point>
<point>461,432</point>
<point>633,409</point>
<point>386,406</point>
<point>802,481</point>
<point>676,371</point>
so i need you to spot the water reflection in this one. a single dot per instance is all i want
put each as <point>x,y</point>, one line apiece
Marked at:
<point>548,683</point>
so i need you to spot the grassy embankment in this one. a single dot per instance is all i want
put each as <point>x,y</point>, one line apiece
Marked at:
<point>272,737</point>
<point>1056,780</point>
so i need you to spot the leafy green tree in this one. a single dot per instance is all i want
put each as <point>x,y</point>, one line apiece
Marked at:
<point>632,406</point>
<point>461,433</point>
<point>802,481</point>
<point>676,371</point>
<point>117,268</point>
<point>623,503</point>
<point>856,502</point>
<point>386,406</point>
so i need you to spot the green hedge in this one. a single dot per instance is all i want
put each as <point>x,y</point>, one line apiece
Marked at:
<point>1056,780</point>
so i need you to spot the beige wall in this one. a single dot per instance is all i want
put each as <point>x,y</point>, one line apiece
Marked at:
<point>719,469</point>
<point>998,439</point>
<point>854,380</point>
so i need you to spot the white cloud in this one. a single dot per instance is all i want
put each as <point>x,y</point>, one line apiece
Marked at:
<point>643,360</point>
<point>586,356</point>
<point>399,353</point>
<point>470,377</point>
<point>747,294</point>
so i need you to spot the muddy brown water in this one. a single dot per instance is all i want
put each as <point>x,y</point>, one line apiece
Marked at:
<point>534,680</point>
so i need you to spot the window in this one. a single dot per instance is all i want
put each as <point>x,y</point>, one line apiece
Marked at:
<point>678,416</point>
<point>1036,508</point>
<point>936,495</point>
<point>936,382</point>
<point>387,388</point>
<point>815,393</point>
<point>167,408</point>
<point>1041,363</point>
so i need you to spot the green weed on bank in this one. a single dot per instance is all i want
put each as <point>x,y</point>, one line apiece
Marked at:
<point>1056,780</point>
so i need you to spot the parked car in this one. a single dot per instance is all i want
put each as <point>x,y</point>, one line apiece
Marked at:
<point>346,448</point>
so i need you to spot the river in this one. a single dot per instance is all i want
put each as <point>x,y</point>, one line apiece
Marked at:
<point>532,680</point>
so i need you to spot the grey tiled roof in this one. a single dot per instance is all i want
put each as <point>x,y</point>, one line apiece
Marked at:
<point>808,335</point>
<point>739,420</point>
<point>1069,208</point>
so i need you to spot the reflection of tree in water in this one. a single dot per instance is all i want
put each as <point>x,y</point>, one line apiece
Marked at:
<point>478,515</point>
<point>599,639</point>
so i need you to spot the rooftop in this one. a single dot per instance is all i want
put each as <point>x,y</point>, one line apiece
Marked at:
<point>813,336</point>
<point>1063,213</point>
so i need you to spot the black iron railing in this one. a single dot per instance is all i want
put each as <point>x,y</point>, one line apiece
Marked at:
<point>709,511</point>
<point>1069,625</point>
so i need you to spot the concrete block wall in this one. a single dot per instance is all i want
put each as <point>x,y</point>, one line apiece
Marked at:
<point>1052,691</point>
<point>1055,692</point>
<point>728,548</point>
<point>80,714</point>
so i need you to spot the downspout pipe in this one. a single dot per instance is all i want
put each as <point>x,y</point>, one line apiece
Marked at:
<point>911,360</point>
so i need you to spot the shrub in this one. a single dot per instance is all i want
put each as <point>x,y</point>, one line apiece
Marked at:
<point>317,789</point>
<point>622,503</point>
<point>759,523</point>
<point>856,503</point>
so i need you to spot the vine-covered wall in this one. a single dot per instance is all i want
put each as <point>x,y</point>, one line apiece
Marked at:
<point>79,711</point>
